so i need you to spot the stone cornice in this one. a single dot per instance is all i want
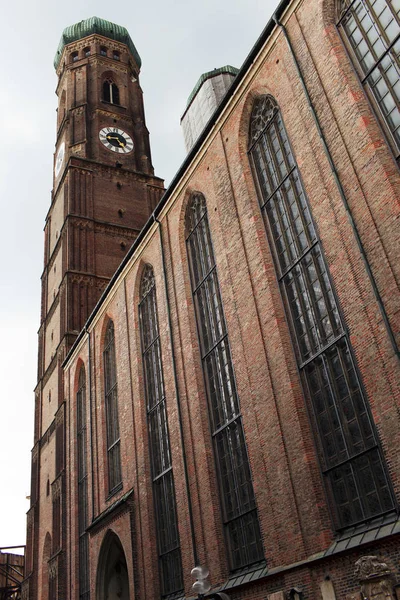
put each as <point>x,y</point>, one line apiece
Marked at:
<point>52,308</point>
<point>111,113</point>
<point>60,414</point>
<point>46,437</point>
<point>111,64</point>
<point>88,41</point>
<point>112,513</point>
<point>49,371</point>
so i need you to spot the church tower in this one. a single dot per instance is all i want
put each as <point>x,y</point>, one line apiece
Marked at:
<point>104,190</point>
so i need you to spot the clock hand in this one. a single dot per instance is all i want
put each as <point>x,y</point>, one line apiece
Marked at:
<point>114,137</point>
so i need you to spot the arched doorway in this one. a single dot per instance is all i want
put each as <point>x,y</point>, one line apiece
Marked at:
<point>112,571</point>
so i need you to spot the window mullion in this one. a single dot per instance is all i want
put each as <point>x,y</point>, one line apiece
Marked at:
<point>394,13</point>
<point>365,36</point>
<point>376,22</point>
<point>334,393</point>
<point>389,86</point>
<point>379,60</point>
<point>356,412</point>
<point>320,370</point>
<point>309,325</point>
<point>281,194</point>
<point>263,155</point>
<point>330,302</point>
<point>319,328</point>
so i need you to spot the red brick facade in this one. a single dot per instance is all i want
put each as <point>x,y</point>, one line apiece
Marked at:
<point>301,546</point>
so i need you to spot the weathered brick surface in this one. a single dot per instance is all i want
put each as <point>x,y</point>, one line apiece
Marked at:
<point>292,505</point>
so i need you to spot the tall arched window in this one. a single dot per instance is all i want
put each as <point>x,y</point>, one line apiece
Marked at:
<point>160,453</point>
<point>111,401</point>
<point>372,28</point>
<point>83,522</point>
<point>238,504</point>
<point>110,92</point>
<point>350,456</point>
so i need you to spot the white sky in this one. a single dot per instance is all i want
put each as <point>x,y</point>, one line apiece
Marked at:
<point>177,41</point>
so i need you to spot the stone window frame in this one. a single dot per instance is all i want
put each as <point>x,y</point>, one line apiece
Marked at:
<point>164,496</point>
<point>237,499</point>
<point>113,438</point>
<point>82,478</point>
<point>319,335</point>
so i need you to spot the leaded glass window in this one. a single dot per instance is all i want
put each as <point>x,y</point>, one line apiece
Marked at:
<point>350,456</point>
<point>238,504</point>
<point>372,28</point>
<point>111,401</point>
<point>160,452</point>
<point>84,585</point>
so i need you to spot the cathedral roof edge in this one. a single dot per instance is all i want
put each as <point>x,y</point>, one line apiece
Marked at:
<point>270,26</point>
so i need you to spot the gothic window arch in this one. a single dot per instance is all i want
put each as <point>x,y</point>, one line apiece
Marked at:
<point>83,521</point>
<point>372,30</point>
<point>111,405</point>
<point>351,459</point>
<point>110,91</point>
<point>168,542</point>
<point>239,511</point>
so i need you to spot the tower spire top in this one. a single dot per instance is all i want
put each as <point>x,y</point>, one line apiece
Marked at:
<point>101,27</point>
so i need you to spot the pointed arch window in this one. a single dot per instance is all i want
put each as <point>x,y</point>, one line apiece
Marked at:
<point>350,455</point>
<point>160,452</point>
<point>238,504</point>
<point>84,585</point>
<point>372,29</point>
<point>110,92</point>
<point>111,402</point>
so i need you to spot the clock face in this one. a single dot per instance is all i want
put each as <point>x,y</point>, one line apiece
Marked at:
<point>59,159</point>
<point>116,140</point>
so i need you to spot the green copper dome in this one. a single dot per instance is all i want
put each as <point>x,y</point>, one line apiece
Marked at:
<point>95,25</point>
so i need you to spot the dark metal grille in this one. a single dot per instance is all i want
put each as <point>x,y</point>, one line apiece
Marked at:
<point>160,453</point>
<point>373,30</point>
<point>350,456</point>
<point>236,488</point>
<point>111,400</point>
<point>84,584</point>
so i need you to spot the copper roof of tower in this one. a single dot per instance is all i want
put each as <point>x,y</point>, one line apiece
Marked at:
<point>95,25</point>
<point>208,75</point>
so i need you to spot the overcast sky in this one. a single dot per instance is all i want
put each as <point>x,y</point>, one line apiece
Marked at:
<point>177,41</point>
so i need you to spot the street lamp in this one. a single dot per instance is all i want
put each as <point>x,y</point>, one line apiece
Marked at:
<point>201,586</point>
